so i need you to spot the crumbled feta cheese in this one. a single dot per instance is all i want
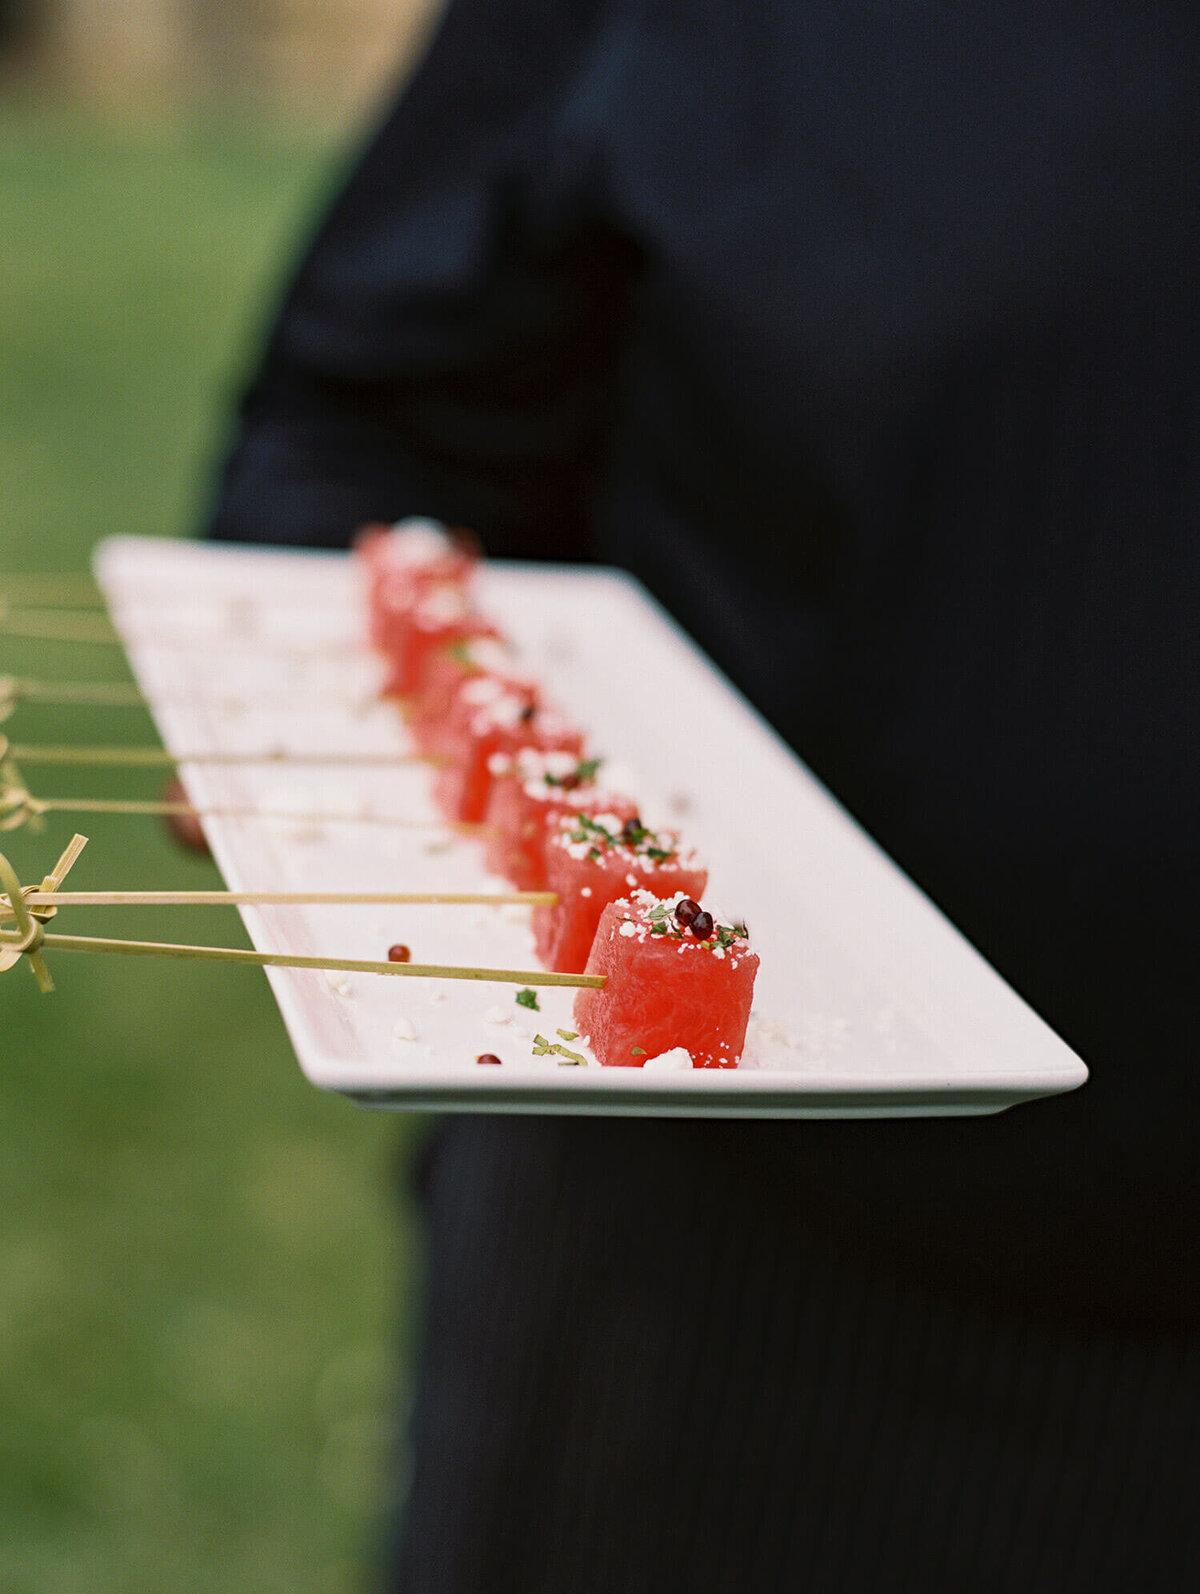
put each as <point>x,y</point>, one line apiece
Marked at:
<point>481,689</point>
<point>585,891</point>
<point>404,1030</point>
<point>628,928</point>
<point>677,1057</point>
<point>418,541</point>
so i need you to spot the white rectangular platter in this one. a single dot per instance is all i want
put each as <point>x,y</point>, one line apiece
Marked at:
<point>868,1002</point>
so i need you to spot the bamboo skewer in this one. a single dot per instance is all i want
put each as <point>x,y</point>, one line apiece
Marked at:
<point>288,960</point>
<point>167,899</point>
<point>17,806</point>
<point>29,938</point>
<point>38,625</point>
<point>102,805</point>
<point>49,625</point>
<point>160,758</point>
<point>67,589</point>
<point>81,694</point>
<point>15,690</point>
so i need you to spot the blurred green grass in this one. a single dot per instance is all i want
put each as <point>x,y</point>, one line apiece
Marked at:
<point>201,1271</point>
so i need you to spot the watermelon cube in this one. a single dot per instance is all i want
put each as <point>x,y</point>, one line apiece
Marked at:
<point>674,977</point>
<point>539,788</point>
<point>590,862</point>
<point>401,561</point>
<point>493,718</point>
<point>411,632</point>
<point>446,668</point>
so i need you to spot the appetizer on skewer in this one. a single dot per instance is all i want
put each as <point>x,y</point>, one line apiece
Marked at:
<point>675,978</point>
<point>590,862</point>
<point>493,718</point>
<point>528,793</point>
<point>678,982</point>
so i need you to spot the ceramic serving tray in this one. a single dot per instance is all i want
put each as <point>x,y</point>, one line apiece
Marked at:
<point>868,1002</point>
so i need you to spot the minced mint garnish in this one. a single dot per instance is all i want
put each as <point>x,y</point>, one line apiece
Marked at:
<point>544,1048</point>
<point>568,1034</point>
<point>461,652</point>
<point>528,998</point>
<point>583,773</point>
<point>637,1051</point>
<point>588,830</point>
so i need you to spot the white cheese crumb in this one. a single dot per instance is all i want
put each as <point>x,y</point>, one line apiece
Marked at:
<point>404,1030</point>
<point>628,928</point>
<point>677,1057</point>
<point>496,1015</point>
<point>585,891</point>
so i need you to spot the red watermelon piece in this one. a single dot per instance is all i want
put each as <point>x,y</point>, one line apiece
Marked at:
<point>446,668</point>
<point>441,616</point>
<point>666,986</point>
<point>403,560</point>
<point>590,862</point>
<point>539,788</point>
<point>492,719</point>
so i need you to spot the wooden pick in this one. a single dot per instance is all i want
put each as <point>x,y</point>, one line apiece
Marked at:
<point>288,960</point>
<point>160,758</point>
<point>18,806</point>
<point>64,590</point>
<point>28,938</point>
<point>44,625</point>
<point>43,898</point>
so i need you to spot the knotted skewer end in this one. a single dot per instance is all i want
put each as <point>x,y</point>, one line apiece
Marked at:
<point>26,937</point>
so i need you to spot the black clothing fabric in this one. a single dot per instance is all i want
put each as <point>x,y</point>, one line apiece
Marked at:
<point>750,1408</point>
<point>867,335</point>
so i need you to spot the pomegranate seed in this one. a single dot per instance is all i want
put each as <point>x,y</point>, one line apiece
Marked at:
<point>487,1057</point>
<point>399,954</point>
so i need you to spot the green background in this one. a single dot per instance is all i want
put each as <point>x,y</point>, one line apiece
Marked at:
<point>203,1261</point>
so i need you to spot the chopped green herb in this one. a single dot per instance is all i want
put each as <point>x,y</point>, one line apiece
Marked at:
<point>581,775</point>
<point>568,1034</point>
<point>461,652</point>
<point>544,1048</point>
<point>659,929</point>
<point>528,998</point>
<point>660,854</point>
<point>637,1051</point>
